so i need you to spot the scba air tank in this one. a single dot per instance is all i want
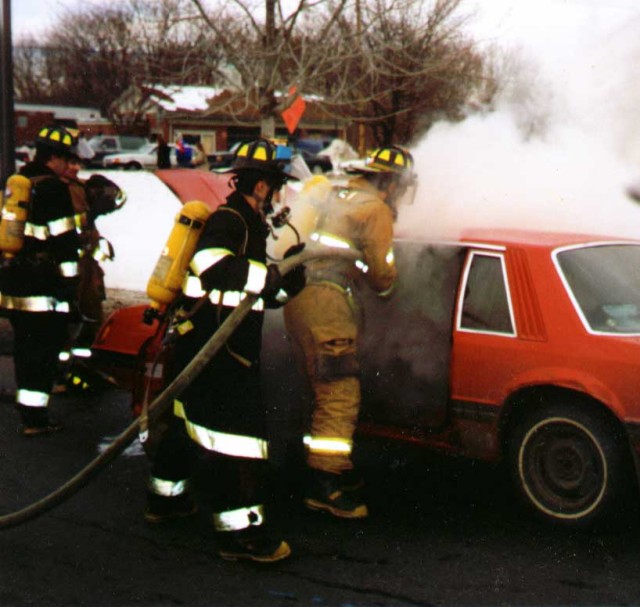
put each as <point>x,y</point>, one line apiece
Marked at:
<point>166,281</point>
<point>15,210</point>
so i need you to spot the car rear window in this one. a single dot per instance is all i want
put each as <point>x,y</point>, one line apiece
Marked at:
<point>604,282</point>
<point>485,306</point>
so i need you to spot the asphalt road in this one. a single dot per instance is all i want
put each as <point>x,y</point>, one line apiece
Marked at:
<point>441,532</point>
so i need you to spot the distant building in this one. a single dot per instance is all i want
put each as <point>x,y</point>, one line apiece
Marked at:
<point>30,118</point>
<point>214,116</point>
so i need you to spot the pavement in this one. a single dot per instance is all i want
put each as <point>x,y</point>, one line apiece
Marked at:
<point>441,531</point>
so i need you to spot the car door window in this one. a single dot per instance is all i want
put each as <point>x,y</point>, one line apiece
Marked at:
<point>485,306</point>
<point>109,144</point>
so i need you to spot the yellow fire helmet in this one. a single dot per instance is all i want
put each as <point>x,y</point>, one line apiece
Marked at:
<point>57,138</point>
<point>388,159</point>
<point>262,155</point>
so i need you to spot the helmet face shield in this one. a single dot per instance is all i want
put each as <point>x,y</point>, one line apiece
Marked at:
<point>406,190</point>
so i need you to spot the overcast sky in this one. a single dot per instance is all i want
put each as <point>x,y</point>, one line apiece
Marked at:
<point>545,23</point>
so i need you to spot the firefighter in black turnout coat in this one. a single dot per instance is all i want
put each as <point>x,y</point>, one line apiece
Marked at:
<point>220,417</point>
<point>38,285</point>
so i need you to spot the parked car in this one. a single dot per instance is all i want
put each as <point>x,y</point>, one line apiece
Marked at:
<point>223,158</point>
<point>144,158</point>
<point>103,145</point>
<point>507,346</point>
<point>317,164</point>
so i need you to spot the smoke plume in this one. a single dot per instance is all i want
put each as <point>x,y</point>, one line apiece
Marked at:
<point>558,153</point>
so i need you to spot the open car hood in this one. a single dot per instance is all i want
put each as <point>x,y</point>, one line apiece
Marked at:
<point>192,184</point>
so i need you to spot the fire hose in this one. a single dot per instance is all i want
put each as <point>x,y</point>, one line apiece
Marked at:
<point>162,402</point>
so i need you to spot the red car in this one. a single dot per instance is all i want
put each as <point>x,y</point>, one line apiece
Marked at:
<point>509,346</point>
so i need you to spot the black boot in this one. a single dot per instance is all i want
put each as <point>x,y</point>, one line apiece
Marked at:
<point>161,509</point>
<point>350,480</point>
<point>325,491</point>
<point>252,544</point>
<point>35,421</point>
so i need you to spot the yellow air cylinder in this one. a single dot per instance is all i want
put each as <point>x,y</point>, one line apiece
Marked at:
<point>171,268</point>
<point>15,210</point>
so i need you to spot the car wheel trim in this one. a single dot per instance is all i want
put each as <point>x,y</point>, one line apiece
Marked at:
<point>564,464</point>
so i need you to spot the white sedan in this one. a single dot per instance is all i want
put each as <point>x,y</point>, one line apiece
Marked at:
<point>144,158</point>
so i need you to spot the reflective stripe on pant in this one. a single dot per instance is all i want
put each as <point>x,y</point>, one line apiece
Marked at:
<point>232,487</point>
<point>323,327</point>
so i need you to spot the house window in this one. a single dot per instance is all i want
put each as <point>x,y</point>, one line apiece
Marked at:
<point>486,306</point>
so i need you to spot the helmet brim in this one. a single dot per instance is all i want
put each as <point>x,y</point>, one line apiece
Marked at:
<point>240,169</point>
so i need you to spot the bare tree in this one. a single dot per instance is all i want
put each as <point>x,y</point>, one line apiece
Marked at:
<point>272,53</point>
<point>396,65</point>
<point>405,64</point>
<point>101,51</point>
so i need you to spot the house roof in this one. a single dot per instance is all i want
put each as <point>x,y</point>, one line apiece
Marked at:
<point>84,114</point>
<point>175,98</point>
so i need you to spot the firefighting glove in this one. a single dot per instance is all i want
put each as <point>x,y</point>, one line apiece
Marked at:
<point>294,280</point>
<point>104,251</point>
<point>273,283</point>
<point>294,250</point>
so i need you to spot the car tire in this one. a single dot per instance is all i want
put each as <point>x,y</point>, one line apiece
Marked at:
<point>133,166</point>
<point>568,463</point>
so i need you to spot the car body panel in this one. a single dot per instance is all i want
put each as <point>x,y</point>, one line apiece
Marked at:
<point>106,145</point>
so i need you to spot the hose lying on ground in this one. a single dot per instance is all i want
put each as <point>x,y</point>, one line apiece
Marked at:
<point>163,400</point>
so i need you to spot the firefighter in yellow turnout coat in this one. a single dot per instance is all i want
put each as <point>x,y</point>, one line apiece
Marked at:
<point>322,321</point>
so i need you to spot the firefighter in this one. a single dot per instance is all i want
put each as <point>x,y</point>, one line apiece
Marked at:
<point>93,249</point>
<point>38,286</point>
<point>219,420</point>
<point>322,321</point>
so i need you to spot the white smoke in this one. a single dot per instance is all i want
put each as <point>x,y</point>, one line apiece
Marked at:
<point>557,154</point>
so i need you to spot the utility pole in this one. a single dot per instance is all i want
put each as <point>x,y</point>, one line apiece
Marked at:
<point>268,125</point>
<point>7,144</point>
<point>362,139</point>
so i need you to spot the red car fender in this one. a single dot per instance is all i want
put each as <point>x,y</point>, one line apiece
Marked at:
<point>569,378</point>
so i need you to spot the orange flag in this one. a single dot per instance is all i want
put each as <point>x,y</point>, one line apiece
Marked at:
<point>293,113</point>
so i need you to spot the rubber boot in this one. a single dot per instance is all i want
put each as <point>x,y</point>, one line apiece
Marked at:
<point>325,492</point>
<point>252,544</point>
<point>161,509</point>
<point>36,421</point>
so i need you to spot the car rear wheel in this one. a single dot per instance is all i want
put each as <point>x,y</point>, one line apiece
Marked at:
<point>133,166</point>
<point>568,463</point>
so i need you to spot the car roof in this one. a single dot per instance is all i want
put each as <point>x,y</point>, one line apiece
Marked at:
<point>548,239</point>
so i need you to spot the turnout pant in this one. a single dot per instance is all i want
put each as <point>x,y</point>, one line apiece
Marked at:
<point>38,339</point>
<point>91,294</point>
<point>216,439</point>
<point>322,324</point>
